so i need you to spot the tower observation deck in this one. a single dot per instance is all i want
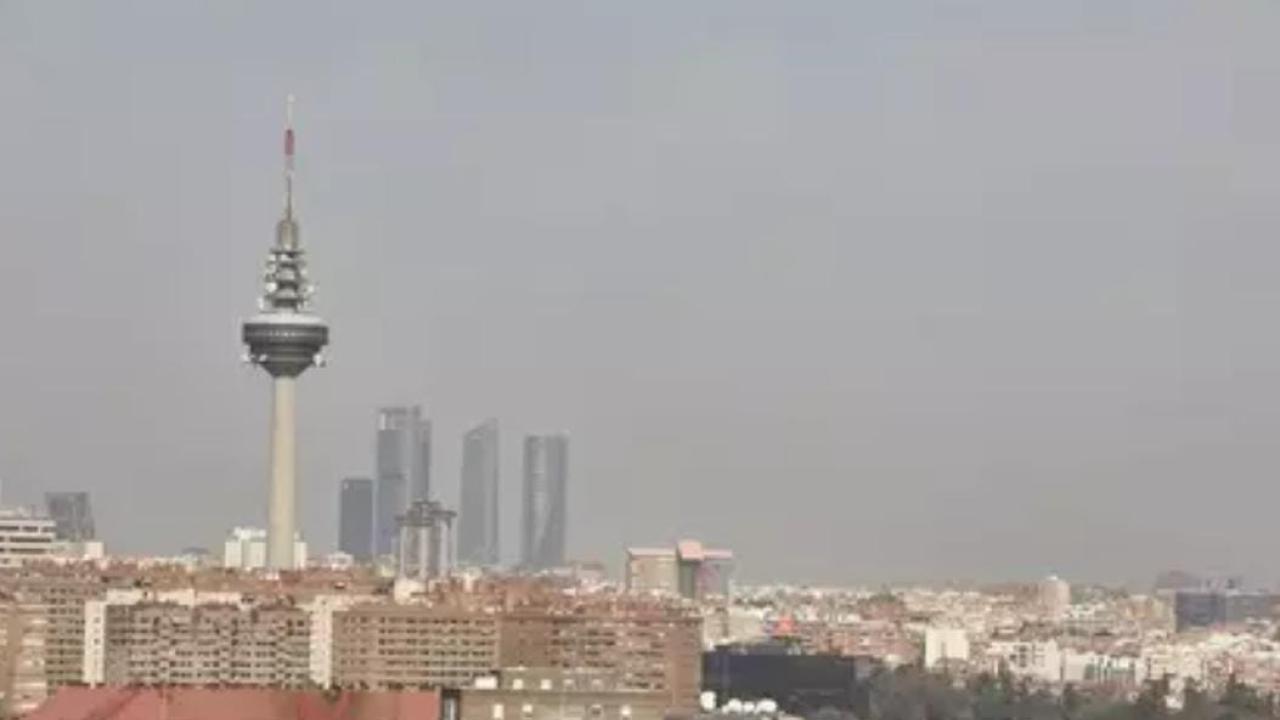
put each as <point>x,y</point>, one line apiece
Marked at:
<point>285,339</point>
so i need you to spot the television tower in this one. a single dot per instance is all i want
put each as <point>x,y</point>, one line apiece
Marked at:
<point>284,339</point>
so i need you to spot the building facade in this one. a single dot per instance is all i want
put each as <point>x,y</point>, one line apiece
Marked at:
<point>652,571</point>
<point>23,634</point>
<point>384,645</point>
<point>645,647</point>
<point>689,570</point>
<point>478,516</point>
<point>355,518</point>
<point>72,515</point>
<point>26,536</point>
<point>1208,608</point>
<point>1054,596</point>
<point>61,598</point>
<point>554,694</point>
<point>545,512</point>
<point>174,643</point>
<point>403,469</point>
<point>221,703</point>
<point>246,549</point>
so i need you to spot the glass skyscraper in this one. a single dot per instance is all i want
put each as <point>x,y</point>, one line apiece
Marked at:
<point>72,514</point>
<point>403,469</point>
<point>546,475</point>
<point>478,519</point>
<point>355,518</point>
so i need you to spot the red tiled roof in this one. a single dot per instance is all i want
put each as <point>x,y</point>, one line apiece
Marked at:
<point>122,703</point>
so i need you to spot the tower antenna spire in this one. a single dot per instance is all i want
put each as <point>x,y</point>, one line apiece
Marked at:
<point>288,158</point>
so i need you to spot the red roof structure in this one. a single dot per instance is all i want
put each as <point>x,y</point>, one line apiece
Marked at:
<point>138,703</point>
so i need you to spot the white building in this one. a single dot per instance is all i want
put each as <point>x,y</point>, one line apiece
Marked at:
<point>1090,668</point>
<point>82,550</point>
<point>246,549</point>
<point>943,646</point>
<point>1031,659</point>
<point>26,535</point>
<point>1055,597</point>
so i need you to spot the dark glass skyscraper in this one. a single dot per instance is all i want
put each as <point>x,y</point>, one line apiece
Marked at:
<point>478,521</point>
<point>403,468</point>
<point>546,475</point>
<point>355,518</point>
<point>72,515</point>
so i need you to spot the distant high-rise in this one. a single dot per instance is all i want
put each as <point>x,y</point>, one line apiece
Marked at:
<point>355,518</point>
<point>72,514</point>
<point>478,524</point>
<point>546,475</point>
<point>1054,597</point>
<point>403,467</point>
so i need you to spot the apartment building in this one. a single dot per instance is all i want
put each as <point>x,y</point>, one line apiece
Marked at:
<point>646,647</point>
<point>385,645</point>
<point>171,643</point>
<point>23,684</point>
<point>550,694</point>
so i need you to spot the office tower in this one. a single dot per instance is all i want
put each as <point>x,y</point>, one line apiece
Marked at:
<point>478,524</point>
<point>284,339</point>
<point>355,518</point>
<point>72,514</point>
<point>546,475</point>
<point>1054,597</point>
<point>403,468</point>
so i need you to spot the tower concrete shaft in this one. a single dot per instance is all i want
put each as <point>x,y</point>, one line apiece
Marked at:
<point>283,505</point>
<point>285,339</point>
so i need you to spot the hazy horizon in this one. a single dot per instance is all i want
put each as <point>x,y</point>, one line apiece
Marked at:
<point>902,290</point>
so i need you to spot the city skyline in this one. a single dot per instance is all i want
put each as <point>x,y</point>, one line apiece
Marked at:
<point>988,291</point>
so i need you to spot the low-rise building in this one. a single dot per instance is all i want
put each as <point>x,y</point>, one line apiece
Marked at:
<point>246,549</point>
<point>139,703</point>
<point>558,694</point>
<point>944,647</point>
<point>688,570</point>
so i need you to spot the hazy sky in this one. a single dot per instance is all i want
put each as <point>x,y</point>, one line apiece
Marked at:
<point>862,290</point>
